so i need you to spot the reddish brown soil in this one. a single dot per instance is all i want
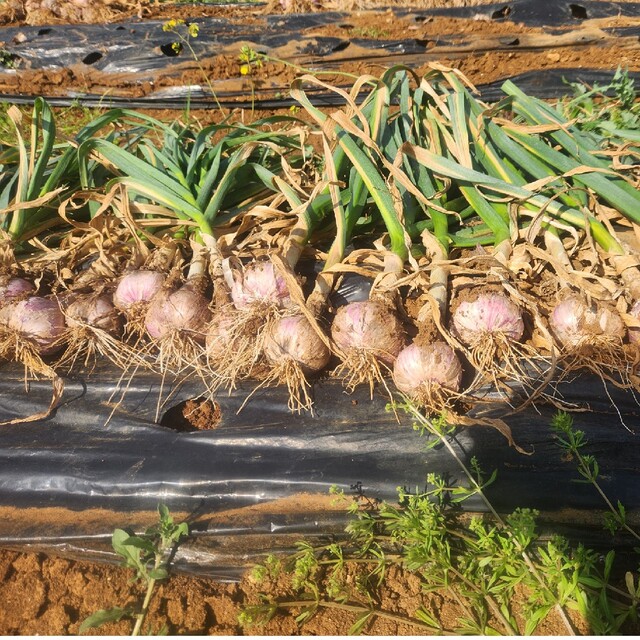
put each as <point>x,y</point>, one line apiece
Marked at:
<point>44,594</point>
<point>194,415</point>
<point>47,595</point>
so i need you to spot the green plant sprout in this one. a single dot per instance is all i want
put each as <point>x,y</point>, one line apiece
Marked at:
<point>573,441</point>
<point>178,27</point>
<point>149,556</point>
<point>7,59</point>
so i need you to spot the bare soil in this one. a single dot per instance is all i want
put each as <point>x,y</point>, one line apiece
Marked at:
<point>43,594</point>
<point>198,414</point>
<point>49,595</point>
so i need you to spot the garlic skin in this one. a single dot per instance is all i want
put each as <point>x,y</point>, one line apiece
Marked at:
<point>489,313</point>
<point>219,335</point>
<point>634,332</point>
<point>369,326</point>
<point>569,320</point>
<point>137,287</point>
<point>418,366</point>
<point>98,312</point>
<point>573,320</point>
<point>293,338</point>
<point>37,320</point>
<point>12,288</point>
<point>260,283</point>
<point>181,310</point>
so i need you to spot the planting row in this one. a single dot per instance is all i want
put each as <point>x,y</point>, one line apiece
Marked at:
<point>498,242</point>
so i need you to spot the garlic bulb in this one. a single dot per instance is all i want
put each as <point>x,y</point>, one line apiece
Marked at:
<point>370,326</point>
<point>259,283</point>
<point>293,337</point>
<point>37,320</point>
<point>184,309</point>
<point>573,320</point>
<point>137,287</point>
<point>418,366</point>
<point>489,313</point>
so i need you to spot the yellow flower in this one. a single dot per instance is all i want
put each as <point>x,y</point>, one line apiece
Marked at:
<point>171,24</point>
<point>194,30</point>
<point>245,69</point>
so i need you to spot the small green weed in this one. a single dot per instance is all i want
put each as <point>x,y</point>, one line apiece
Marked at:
<point>484,563</point>
<point>149,556</point>
<point>368,32</point>
<point>249,60</point>
<point>573,442</point>
<point>605,109</point>
<point>7,59</point>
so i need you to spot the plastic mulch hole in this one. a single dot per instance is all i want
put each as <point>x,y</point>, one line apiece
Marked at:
<point>341,46</point>
<point>578,11</point>
<point>195,414</point>
<point>172,49</point>
<point>44,31</point>
<point>92,57</point>
<point>502,13</point>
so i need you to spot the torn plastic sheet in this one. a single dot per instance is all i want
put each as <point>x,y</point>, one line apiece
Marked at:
<point>259,481</point>
<point>540,12</point>
<point>145,48</point>
<point>112,49</point>
<point>136,48</point>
